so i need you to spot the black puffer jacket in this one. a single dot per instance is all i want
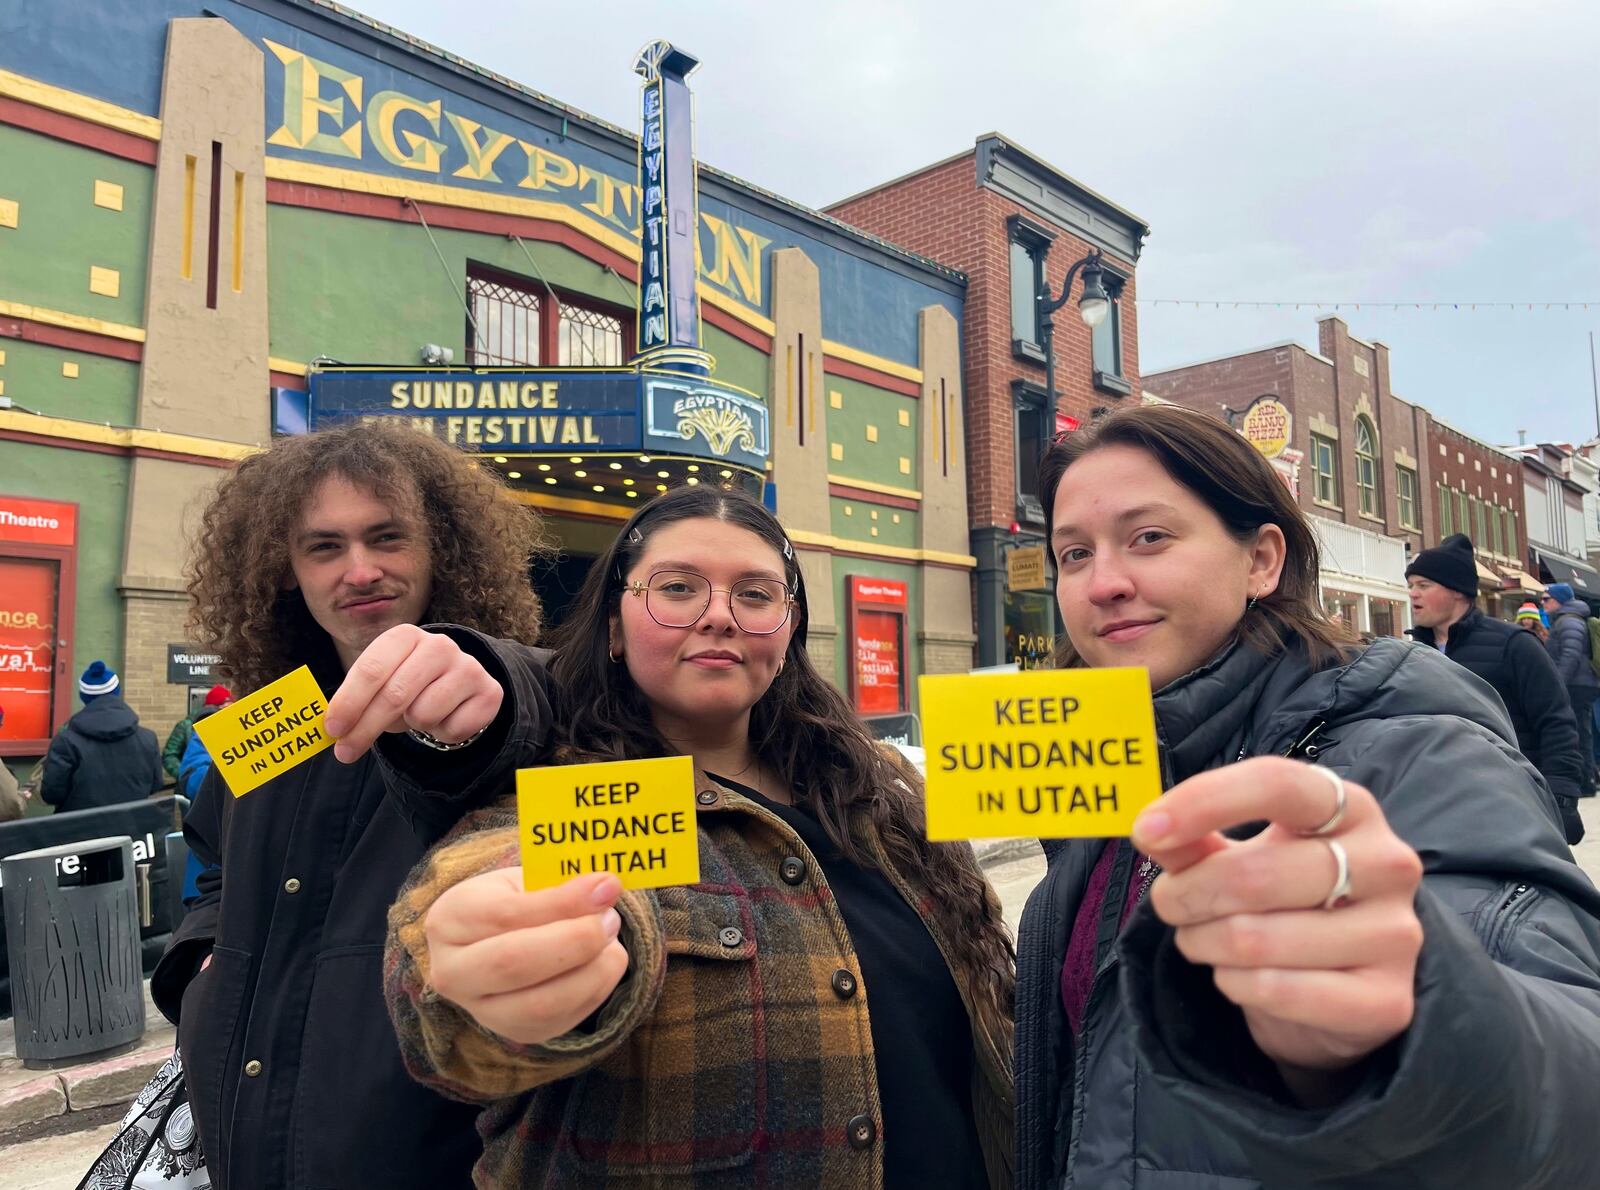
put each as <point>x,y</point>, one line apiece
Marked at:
<point>1491,1086</point>
<point>291,1065</point>
<point>100,758</point>
<point>1515,663</point>
<point>1568,645</point>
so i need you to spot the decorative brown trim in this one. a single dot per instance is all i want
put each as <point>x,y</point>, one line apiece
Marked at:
<point>849,493</point>
<point>30,331</point>
<point>74,131</point>
<point>397,210</point>
<point>853,371</point>
<point>287,380</point>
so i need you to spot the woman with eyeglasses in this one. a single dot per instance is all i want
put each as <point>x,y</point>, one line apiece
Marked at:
<point>829,1006</point>
<point>1349,946</point>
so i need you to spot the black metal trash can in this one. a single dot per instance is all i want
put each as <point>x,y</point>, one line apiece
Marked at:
<point>72,941</point>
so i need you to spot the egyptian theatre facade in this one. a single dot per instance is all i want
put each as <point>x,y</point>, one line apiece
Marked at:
<point>225,222</point>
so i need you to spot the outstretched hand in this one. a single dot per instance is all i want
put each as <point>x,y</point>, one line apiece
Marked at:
<point>411,679</point>
<point>1321,988</point>
<point>527,966</point>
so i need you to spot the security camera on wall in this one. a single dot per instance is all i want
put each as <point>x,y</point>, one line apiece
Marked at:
<point>432,353</point>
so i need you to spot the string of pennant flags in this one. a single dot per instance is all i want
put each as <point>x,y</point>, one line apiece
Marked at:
<point>1223,305</point>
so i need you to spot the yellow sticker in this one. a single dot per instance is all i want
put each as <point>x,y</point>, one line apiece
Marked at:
<point>632,817</point>
<point>1050,754</point>
<point>253,740</point>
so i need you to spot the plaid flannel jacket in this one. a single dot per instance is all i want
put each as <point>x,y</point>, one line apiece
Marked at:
<point>724,1058</point>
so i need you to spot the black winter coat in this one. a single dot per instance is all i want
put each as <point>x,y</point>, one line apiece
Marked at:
<point>292,1067</point>
<point>1515,663</point>
<point>1493,1083</point>
<point>100,758</point>
<point>1568,645</point>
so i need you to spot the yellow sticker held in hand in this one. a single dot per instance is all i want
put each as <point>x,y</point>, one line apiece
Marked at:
<point>253,740</point>
<point>635,818</point>
<point>1052,754</point>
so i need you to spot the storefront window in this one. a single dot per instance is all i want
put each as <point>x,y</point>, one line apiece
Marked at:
<point>1030,628</point>
<point>1342,606</point>
<point>1385,617</point>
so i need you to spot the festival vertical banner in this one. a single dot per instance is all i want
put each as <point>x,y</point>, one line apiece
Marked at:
<point>877,643</point>
<point>669,221</point>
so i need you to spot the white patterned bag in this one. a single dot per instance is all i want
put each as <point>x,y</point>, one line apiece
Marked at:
<point>158,1147</point>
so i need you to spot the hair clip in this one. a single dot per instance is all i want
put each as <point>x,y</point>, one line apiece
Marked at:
<point>788,550</point>
<point>635,537</point>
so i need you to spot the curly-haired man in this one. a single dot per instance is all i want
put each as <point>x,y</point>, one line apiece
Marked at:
<point>331,550</point>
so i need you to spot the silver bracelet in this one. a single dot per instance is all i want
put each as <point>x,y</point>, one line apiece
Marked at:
<point>424,738</point>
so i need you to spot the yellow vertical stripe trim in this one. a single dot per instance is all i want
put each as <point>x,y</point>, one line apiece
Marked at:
<point>788,386</point>
<point>238,232</point>
<point>187,267</point>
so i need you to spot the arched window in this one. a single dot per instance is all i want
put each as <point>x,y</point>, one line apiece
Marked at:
<point>1370,500</point>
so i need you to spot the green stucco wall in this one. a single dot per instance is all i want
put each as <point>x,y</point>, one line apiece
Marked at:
<point>60,233</point>
<point>99,485</point>
<point>105,390</point>
<point>863,405</point>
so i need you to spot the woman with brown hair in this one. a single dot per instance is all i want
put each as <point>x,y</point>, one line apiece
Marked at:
<point>1349,946</point>
<point>829,1006</point>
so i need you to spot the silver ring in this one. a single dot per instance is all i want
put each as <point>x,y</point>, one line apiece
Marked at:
<point>1340,799</point>
<point>1340,893</point>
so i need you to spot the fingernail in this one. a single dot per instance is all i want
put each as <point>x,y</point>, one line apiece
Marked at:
<point>611,923</point>
<point>1152,826</point>
<point>606,890</point>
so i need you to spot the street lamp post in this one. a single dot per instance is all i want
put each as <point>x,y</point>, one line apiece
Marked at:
<point>1093,306</point>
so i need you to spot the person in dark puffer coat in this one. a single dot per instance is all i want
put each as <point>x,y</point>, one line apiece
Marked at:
<point>1443,582</point>
<point>102,756</point>
<point>1380,970</point>
<point>1568,646</point>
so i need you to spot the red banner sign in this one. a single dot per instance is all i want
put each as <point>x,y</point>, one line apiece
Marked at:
<point>877,640</point>
<point>38,522</point>
<point>27,646</point>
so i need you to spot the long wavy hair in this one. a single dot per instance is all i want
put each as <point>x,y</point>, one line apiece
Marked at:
<point>480,543</point>
<point>1233,480</point>
<point>802,729</point>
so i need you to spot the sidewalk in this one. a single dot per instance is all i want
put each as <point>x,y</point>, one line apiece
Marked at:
<point>32,1101</point>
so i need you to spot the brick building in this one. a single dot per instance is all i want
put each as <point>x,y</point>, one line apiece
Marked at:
<point>1006,219</point>
<point>1557,523</point>
<point>1380,477</point>
<point>1478,490</point>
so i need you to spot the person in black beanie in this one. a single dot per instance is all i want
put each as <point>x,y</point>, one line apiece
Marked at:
<point>1443,582</point>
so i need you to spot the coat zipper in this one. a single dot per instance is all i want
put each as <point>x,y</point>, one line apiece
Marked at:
<point>1304,746</point>
<point>1503,917</point>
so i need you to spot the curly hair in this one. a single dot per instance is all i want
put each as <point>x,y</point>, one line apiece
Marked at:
<point>480,544</point>
<point>802,728</point>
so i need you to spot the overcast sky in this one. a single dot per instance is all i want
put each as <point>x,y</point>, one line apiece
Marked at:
<point>1352,151</point>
